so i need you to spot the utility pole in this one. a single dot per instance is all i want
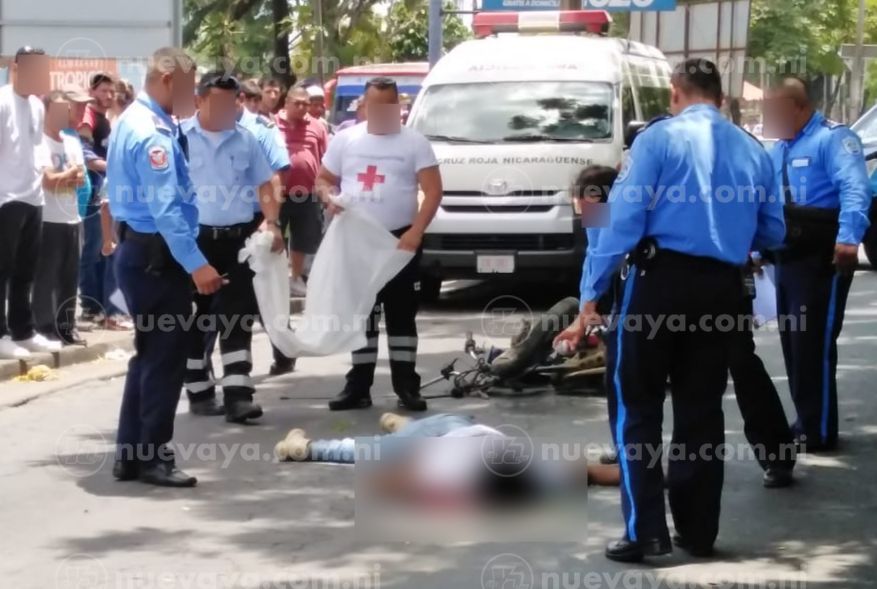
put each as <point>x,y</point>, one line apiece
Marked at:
<point>435,31</point>
<point>321,49</point>
<point>857,89</point>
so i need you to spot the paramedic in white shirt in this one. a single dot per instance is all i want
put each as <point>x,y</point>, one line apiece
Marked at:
<point>376,167</point>
<point>21,202</point>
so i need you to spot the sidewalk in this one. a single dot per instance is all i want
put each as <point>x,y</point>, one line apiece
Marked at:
<point>100,343</point>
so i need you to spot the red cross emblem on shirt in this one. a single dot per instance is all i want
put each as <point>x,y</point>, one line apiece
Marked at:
<point>369,178</point>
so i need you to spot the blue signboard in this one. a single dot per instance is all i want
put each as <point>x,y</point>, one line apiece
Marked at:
<point>629,5</point>
<point>610,5</point>
<point>520,4</point>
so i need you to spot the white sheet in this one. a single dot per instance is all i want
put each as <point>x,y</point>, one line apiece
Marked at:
<point>356,259</point>
<point>765,305</point>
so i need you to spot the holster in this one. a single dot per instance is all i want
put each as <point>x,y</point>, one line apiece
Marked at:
<point>810,230</point>
<point>159,260</point>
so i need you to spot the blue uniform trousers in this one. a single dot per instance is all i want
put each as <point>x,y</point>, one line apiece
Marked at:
<point>811,300</point>
<point>764,419</point>
<point>161,305</point>
<point>688,296</point>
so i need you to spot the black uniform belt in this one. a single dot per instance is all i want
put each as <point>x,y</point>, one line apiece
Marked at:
<point>228,232</point>
<point>127,234</point>
<point>648,255</point>
<point>159,260</point>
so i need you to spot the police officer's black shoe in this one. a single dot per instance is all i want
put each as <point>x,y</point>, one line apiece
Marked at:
<point>626,551</point>
<point>692,549</point>
<point>346,400</point>
<point>165,474</point>
<point>777,477</point>
<point>207,407</point>
<point>412,401</point>
<point>125,470</point>
<point>282,366</point>
<point>241,410</point>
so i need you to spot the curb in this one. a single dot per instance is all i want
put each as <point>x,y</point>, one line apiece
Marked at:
<point>73,355</point>
<point>68,356</point>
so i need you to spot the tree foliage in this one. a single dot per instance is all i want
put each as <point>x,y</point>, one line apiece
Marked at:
<point>802,36</point>
<point>408,30</point>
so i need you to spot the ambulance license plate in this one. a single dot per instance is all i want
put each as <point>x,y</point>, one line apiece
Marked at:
<point>495,264</point>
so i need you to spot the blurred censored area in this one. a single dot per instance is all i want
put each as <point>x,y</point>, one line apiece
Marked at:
<point>492,488</point>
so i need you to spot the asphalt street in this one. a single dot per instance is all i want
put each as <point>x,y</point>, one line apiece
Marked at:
<point>253,522</point>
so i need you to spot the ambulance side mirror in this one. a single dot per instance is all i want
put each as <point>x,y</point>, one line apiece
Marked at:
<point>632,130</point>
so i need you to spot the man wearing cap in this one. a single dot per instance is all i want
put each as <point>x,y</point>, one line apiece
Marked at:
<point>79,100</point>
<point>317,105</point>
<point>21,204</point>
<point>230,173</point>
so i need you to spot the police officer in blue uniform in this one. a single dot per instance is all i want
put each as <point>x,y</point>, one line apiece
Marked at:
<point>694,198</point>
<point>274,146</point>
<point>821,170</point>
<point>230,175</point>
<point>157,261</point>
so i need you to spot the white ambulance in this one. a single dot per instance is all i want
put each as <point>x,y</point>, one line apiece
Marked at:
<point>513,118</point>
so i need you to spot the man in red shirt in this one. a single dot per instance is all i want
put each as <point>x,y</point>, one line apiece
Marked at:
<point>306,139</point>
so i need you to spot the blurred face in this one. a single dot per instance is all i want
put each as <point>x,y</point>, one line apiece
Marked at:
<point>77,112</point>
<point>270,98</point>
<point>297,105</point>
<point>218,109</point>
<point>383,112</point>
<point>316,108</point>
<point>781,114</point>
<point>181,87</point>
<point>31,75</point>
<point>57,116</point>
<point>104,96</point>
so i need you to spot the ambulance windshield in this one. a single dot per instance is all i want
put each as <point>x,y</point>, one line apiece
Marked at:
<point>511,112</point>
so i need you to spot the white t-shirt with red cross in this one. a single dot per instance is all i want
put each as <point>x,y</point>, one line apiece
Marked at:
<point>379,172</point>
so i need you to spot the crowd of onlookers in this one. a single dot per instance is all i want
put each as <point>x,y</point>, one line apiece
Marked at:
<point>57,243</point>
<point>56,233</point>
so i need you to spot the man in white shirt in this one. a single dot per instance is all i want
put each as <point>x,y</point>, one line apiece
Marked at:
<point>378,166</point>
<point>57,275</point>
<point>21,131</point>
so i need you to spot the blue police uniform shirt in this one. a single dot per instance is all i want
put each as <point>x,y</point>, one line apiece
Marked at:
<point>698,185</point>
<point>593,234</point>
<point>226,175</point>
<point>148,184</point>
<point>826,169</point>
<point>270,138</point>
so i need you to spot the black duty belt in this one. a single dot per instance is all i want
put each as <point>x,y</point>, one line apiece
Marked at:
<point>127,234</point>
<point>238,231</point>
<point>649,254</point>
<point>159,260</point>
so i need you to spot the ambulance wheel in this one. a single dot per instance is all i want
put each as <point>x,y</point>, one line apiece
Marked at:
<point>430,288</point>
